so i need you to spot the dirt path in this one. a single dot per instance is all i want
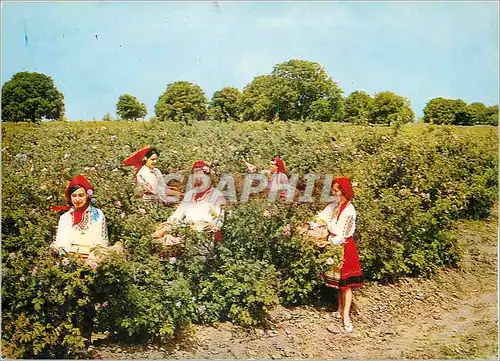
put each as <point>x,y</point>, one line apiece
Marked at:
<point>454,315</point>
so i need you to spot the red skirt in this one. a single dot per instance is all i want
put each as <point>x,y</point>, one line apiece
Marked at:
<point>350,273</point>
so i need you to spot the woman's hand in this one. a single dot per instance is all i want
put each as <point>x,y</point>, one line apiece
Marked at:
<point>209,227</point>
<point>148,189</point>
<point>161,230</point>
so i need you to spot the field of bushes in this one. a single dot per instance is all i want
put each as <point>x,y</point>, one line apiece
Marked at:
<point>412,181</point>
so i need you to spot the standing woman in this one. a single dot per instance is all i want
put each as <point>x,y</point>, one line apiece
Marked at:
<point>149,178</point>
<point>276,175</point>
<point>83,227</point>
<point>340,217</point>
<point>82,231</point>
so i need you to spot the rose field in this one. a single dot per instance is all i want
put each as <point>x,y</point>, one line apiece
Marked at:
<point>411,183</point>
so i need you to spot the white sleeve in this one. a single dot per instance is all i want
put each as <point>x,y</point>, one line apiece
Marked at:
<point>179,214</point>
<point>162,186</point>
<point>324,215</point>
<point>103,230</point>
<point>140,178</point>
<point>62,239</point>
<point>347,225</point>
<point>219,212</point>
<point>283,178</point>
<point>144,183</point>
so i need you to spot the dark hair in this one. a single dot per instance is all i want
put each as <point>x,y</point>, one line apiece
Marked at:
<point>150,153</point>
<point>72,190</point>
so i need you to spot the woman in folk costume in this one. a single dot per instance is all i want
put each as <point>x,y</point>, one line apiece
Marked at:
<point>339,219</point>
<point>149,178</point>
<point>201,206</point>
<point>83,227</point>
<point>276,175</point>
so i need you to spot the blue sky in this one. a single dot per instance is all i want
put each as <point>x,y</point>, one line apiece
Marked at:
<point>420,50</point>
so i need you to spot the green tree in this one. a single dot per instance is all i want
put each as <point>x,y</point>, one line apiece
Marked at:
<point>31,97</point>
<point>312,83</point>
<point>446,111</point>
<point>477,113</point>
<point>358,107</point>
<point>130,108</point>
<point>268,98</point>
<point>225,105</point>
<point>493,115</point>
<point>182,102</point>
<point>327,109</point>
<point>389,107</point>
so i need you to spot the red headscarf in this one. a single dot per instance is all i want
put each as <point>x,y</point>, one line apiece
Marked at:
<point>79,181</point>
<point>136,159</point>
<point>346,188</point>
<point>279,163</point>
<point>199,164</point>
<point>206,170</point>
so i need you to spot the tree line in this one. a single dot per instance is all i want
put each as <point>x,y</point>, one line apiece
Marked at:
<point>296,90</point>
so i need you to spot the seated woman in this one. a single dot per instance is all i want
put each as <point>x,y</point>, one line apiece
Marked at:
<point>81,231</point>
<point>276,175</point>
<point>335,226</point>
<point>201,207</point>
<point>149,178</point>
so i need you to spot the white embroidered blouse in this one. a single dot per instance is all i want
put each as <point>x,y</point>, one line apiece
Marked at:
<point>153,183</point>
<point>207,209</point>
<point>82,237</point>
<point>342,228</point>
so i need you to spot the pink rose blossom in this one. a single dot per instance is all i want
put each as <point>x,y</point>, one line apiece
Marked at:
<point>287,231</point>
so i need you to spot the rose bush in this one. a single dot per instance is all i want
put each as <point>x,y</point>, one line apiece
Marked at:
<point>412,182</point>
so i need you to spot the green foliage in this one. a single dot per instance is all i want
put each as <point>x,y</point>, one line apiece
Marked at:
<point>326,110</point>
<point>477,113</point>
<point>457,112</point>
<point>445,111</point>
<point>492,115</point>
<point>412,182</point>
<point>296,90</point>
<point>182,102</point>
<point>267,97</point>
<point>225,105</point>
<point>129,107</point>
<point>310,81</point>
<point>31,97</point>
<point>358,108</point>
<point>242,292</point>
<point>389,107</point>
